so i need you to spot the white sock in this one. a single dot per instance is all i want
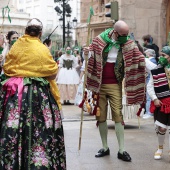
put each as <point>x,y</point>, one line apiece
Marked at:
<point>161,137</point>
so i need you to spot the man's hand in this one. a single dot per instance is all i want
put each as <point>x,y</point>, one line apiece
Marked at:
<point>157,103</point>
<point>86,50</point>
<point>49,46</point>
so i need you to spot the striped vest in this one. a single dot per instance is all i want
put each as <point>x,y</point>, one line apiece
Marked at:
<point>160,81</point>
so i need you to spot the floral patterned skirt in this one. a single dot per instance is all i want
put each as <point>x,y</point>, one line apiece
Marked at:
<point>31,131</point>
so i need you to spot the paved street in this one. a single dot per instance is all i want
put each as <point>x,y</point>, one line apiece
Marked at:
<point>140,143</point>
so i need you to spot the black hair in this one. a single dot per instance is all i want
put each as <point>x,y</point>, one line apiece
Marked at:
<point>60,53</point>
<point>10,33</point>
<point>77,51</point>
<point>147,38</point>
<point>33,30</point>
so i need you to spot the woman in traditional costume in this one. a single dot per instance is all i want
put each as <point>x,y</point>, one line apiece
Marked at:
<point>158,89</point>
<point>68,78</point>
<point>31,131</point>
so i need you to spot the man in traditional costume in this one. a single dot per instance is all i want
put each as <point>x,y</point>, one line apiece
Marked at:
<point>31,131</point>
<point>114,57</point>
<point>159,90</point>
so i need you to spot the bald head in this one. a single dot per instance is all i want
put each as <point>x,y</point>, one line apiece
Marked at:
<point>121,27</point>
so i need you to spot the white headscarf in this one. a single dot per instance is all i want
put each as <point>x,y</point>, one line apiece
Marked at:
<point>35,22</point>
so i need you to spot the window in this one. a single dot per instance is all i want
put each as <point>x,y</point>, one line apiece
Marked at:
<point>36,10</point>
<point>28,10</point>
<point>21,10</point>
<point>101,5</point>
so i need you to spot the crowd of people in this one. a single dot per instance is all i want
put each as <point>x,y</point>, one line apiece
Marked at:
<point>34,84</point>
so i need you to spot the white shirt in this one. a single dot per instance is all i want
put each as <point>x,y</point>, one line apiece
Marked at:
<point>112,55</point>
<point>150,85</point>
<point>149,65</point>
<point>150,88</point>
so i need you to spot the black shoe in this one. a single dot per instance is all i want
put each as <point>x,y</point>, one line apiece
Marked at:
<point>102,153</point>
<point>67,102</point>
<point>64,102</point>
<point>125,156</point>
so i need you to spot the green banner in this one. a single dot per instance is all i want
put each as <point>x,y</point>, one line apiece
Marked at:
<point>90,14</point>
<point>3,13</point>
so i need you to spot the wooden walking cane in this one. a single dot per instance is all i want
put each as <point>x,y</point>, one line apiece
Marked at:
<point>139,122</point>
<point>85,74</point>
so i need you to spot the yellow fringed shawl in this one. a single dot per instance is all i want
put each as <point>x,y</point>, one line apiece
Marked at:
<point>28,57</point>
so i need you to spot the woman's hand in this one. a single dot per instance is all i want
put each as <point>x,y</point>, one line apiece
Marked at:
<point>157,103</point>
<point>52,77</point>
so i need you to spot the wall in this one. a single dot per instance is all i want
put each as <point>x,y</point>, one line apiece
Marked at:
<point>146,17</point>
<point>142,16</point>
<point>18,19</point>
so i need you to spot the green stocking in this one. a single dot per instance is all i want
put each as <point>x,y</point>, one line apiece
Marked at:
<point>103,129</point>
<point>119,128</point>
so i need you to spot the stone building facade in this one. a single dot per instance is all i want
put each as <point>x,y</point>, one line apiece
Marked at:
<point>142,16</point>
<point>18,18</point>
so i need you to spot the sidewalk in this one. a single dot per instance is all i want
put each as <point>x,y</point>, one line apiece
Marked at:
<point>140,144</point>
